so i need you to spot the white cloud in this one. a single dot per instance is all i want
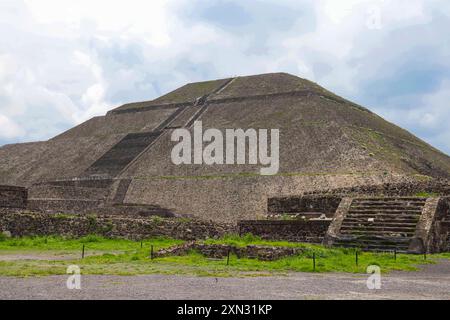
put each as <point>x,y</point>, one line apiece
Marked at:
<point>9,129</point>
<point>430,115</point>
<point>62,62</point>
<point>132,18</point>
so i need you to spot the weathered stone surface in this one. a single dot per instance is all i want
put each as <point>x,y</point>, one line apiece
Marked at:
<point>49,191</point>
<point>75,206</point>
<point>406,224</point>
<point>406,188</point>
<point>220,251</point>
<point>439,231</point>
<point>311,231</point>
<point>326,142</point>
<point>33,223</point>
<point>335,226</point>
<point>13,197</point>
<point>423,236</point>
<point>6,234</point>
<point>320,203</point>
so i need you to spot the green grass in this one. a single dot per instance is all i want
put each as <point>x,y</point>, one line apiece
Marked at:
<point>132,260</point>
<point>426,195</point>
<point>92,242</point>
<point>249,239</point>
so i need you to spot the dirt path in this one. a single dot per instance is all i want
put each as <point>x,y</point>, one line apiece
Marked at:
<point>433,282</point>
<point>50,255</point>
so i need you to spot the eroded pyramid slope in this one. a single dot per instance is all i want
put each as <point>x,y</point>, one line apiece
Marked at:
<point>320,133</point>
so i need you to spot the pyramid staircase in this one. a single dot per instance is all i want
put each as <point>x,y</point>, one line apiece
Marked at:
<point>94,188</point>
<point>133,145</point>
<point>119,156</point>
<point>380,224</point>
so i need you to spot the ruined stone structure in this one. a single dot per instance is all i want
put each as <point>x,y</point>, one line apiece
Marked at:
<point>220,251</point>
<point>121,162</point>
<point>20,223</point>
<point>306,231</point>
<point>13,197</point>
<point>414,225</point>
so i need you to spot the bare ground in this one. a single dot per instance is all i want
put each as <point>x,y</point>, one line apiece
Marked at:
<point>432,282</point>
<point>52,255</point>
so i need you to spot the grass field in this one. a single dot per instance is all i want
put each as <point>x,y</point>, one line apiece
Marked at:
<point>52,256</point>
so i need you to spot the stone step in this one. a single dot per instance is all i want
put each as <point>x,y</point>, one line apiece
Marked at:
<point>378,225</point>
<point>384,211</point>
<point>122,154</point>
<point>389,203</point>
<point>66,192</point>
<point>400,248</point>
<point>392,199</point>
<point>375,242</point>
<point>381,244</point>
<point>384,216</point>
<point>395,222</point>
<point>374,230</point>
<point>64,205</point>
<point>375,239</point>
<point>347,224</point>
<point>382,233</point>
<point>121,191</point>
<point>385,208</point>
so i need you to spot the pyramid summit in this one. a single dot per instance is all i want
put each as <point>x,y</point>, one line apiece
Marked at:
<point>326,142</point>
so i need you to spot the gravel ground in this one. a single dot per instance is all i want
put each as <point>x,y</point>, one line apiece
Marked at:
<point>432,282</point>
<point>48,255</point>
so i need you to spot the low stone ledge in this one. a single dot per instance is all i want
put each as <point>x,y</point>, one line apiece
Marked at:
<point>309,231</point>
<point>326,204</point>
<point>70,206</point>
<point>20,223</point>
<point>409,188</point>
<point>220,251</point>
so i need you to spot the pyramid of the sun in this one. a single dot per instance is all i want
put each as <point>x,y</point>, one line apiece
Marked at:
<point>325,142</point>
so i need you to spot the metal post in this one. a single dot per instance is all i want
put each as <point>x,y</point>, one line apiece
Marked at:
<point>356,257</point>
<point>395,254</point>
<point>151,252</point>
<point>314,261</point>
<point>82,252</point>
<point>228,257</point>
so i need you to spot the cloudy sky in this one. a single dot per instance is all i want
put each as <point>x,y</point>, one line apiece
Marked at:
<point>65,61</point>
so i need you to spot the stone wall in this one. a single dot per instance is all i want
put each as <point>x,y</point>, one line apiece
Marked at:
<point>13,197</point>
<point>432,231</point>
<point>220,251</point>
<point>71,206</point>
<point>440,230</point>
<point>232,198</point>
<point>33,223</point>
<point>398,189</point>
<point>323,204</point>
<point>48,191</point>
<point>83,183</point>
<point>311,231</point>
